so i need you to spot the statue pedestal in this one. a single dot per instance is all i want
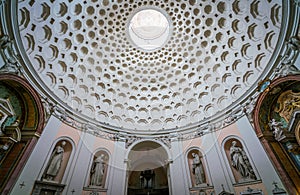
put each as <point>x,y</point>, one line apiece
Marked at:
<point>158,191</point>
<point>203,188</point>
<point>246,180</point>
<point>45,187</point>
<point>250,187</point>
<point>94,190</point>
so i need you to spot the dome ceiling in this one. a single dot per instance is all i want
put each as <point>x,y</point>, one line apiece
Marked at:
<point>207,58</point>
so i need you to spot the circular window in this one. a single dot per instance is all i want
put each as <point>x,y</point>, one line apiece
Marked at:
<point>149,29</point>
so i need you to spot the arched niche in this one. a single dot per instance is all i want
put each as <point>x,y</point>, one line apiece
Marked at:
<point>98,170</point>
<point>147,169</point>
<point>21,127</point>
<point>57,161</point>
<point>197,168</point>
<point>278,110</point>
<point>239,161</point>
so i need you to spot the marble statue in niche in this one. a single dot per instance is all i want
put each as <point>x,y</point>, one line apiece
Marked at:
<point>240,162</point>
<point>97,171</point>
<point>55,161</point>
<point>197,169</point>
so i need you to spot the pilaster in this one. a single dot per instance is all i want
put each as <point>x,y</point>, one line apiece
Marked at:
<point>178,176</point>
<point>117,176</point>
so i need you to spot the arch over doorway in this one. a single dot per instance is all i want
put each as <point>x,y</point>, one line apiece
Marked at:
<point>147,169</point>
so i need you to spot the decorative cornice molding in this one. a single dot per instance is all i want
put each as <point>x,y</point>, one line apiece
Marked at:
<point>48,107</point>
<point>165,140</point>
<point>130,140</point>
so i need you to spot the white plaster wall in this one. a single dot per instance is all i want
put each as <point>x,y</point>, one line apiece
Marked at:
<point>117,176</point>
<point>179,181</point>
<point>77,178</point>
<point>178,174</point>
<point>34,165</point>
<point>219,173</point>
<point>217,163</point>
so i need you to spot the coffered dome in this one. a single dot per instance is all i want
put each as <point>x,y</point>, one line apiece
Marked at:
<point>149,65</point>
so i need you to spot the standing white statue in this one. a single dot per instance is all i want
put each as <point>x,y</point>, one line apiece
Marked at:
<point>97,171</point>
<point>55,162</point>
<point>198,169</point>
<point>277,129</point>
<point>240,162</point>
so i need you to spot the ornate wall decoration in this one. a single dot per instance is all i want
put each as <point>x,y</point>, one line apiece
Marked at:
<point>20,128</point>
<point>130,140</point>
<point>11,109</point>
<point>7,115</point>
<point>288,102</point>
<point>275,119</point>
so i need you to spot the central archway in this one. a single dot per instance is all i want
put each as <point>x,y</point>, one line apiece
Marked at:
<point>147,169</point>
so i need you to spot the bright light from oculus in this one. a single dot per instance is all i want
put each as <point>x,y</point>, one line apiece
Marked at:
<point>149,29</point>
